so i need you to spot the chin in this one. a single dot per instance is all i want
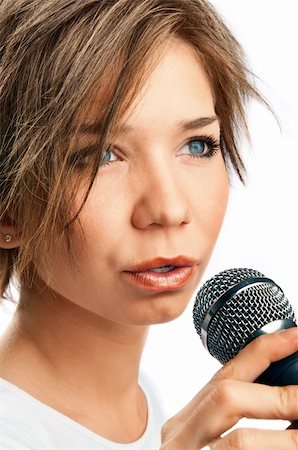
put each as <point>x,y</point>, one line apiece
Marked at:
<point>163,310</point>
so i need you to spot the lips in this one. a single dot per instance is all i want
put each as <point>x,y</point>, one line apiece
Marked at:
<point>177,261</point>
<point>182,270</point>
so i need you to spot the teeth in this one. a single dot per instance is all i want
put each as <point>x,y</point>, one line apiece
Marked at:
<point>162,269</point>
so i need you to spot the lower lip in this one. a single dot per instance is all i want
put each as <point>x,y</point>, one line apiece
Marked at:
<point>167,281</point>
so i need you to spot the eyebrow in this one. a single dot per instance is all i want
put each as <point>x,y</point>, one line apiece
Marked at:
<point>183,125</point>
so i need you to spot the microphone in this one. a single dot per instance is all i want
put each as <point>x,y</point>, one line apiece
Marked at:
<point>235,307</point>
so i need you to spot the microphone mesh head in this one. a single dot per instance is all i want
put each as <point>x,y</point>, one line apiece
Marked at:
<point>241,315</point>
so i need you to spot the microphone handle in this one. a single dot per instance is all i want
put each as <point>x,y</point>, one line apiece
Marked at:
<point>282,373</point>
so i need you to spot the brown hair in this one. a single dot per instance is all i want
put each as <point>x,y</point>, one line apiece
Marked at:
<point>53,56</point>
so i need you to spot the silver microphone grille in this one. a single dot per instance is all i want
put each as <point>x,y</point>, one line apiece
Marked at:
<point>232,306</point>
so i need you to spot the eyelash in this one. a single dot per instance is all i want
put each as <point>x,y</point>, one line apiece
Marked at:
<point>213,146</point>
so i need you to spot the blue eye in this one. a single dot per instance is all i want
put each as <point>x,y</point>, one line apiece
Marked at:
<point>83,159</point>
<point>107,156</point>
<point>202,147</point>
<point>197,147</point>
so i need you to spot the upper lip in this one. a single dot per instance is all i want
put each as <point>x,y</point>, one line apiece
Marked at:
<point>179,261</point>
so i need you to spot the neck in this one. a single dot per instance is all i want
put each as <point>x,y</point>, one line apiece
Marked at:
<point>87,358</point>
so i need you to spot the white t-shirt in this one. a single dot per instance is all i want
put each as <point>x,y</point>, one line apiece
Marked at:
<point>29,424</point>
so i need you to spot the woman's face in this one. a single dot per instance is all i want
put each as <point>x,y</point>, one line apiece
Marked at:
<point>154,199</point>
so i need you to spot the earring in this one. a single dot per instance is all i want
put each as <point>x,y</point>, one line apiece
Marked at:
<point>8,238</point>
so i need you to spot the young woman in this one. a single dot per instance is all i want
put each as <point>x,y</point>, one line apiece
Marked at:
<point>119,124</point>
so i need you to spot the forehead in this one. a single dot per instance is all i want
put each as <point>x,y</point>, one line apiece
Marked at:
<point>177,88</point>
<point>177,83</point>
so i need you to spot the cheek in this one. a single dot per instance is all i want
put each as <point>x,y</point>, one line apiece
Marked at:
<point>103,215</point>
<point>103,219</point>
<point>213,201</point>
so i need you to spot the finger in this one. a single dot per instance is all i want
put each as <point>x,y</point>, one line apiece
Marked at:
<point>258,401</point>
<point>216,408</point>
<point>257,356</point>
<point>223,403</point>
<point>251,439</point>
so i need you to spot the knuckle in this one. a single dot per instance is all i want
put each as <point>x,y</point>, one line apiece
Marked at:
<point>266,347</point>
<point>164,429</point>
<point>171,439</point>
<point>167,429</point>
<point>227,371</point>
<point>222,392</point>
<point>261,344</point>
<point>294,439</point>
<point>287,404</point>
<point>240,439</point>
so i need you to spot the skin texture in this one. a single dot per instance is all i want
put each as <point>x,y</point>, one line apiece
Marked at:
<point>154,200</point>
<point>88,323</point>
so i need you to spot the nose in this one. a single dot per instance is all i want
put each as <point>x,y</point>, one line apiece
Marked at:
<point>161,198</point>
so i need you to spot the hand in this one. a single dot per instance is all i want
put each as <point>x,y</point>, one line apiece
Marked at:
<point>231,395</point>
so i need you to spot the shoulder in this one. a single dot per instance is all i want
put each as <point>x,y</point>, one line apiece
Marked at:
<point>15,420</point>
<point>9,440</point>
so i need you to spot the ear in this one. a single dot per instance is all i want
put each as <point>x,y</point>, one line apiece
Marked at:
<point>9,234</point>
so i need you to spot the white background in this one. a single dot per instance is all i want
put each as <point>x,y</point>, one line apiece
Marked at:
<point>260,229</point>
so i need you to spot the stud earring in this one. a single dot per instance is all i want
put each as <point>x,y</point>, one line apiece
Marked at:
<point>8,238</point>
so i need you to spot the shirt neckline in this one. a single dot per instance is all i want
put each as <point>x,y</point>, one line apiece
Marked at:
<point>71,423</point>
